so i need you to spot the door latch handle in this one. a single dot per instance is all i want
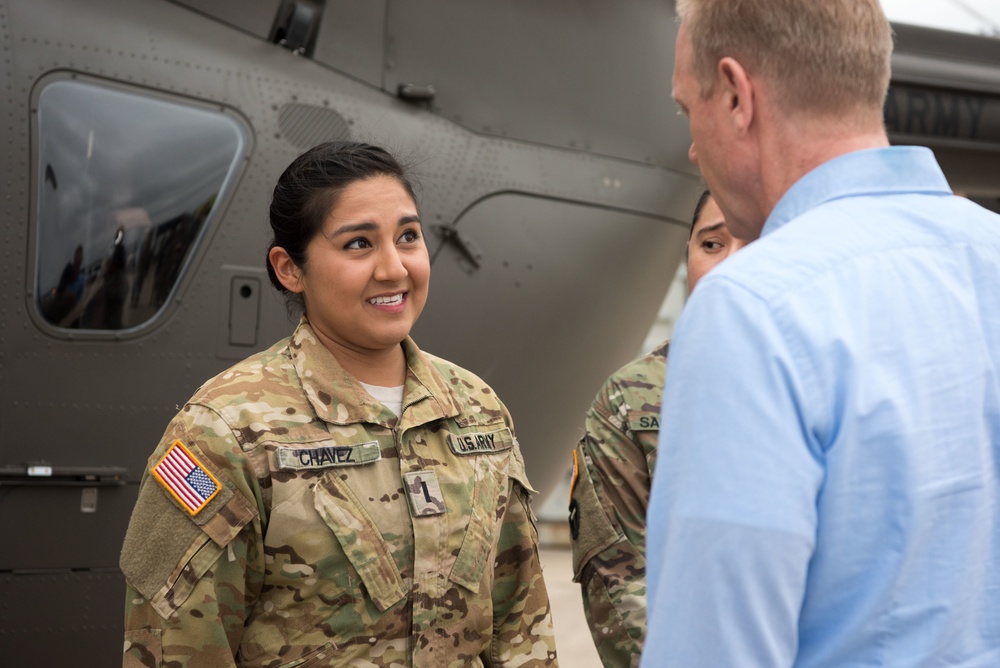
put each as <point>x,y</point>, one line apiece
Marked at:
<point>467,246</point>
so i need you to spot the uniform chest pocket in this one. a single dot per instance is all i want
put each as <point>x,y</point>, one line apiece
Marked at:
<point>489,500</point>
<point>360,539</point>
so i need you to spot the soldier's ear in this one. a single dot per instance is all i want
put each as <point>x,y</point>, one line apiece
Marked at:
<point>288,273</point>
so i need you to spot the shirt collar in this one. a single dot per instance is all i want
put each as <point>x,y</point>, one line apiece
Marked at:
<point>338,398</point>
<point>875,171</point>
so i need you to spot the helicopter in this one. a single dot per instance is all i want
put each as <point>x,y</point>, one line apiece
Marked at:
<point>142,139</point>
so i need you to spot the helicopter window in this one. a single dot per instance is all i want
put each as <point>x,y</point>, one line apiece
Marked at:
<point>127,185</point>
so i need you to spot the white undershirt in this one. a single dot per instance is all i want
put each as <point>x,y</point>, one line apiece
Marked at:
<point>390,397</point>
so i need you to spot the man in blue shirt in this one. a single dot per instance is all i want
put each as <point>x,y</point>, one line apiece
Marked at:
<point>827,490</point>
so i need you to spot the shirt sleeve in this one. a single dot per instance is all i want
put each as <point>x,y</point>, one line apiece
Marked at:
<point>608,530</point>
<point>733,508</point>
<point>192,586</point>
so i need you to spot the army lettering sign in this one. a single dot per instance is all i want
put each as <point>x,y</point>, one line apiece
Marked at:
<point>479,442</point>
<point>940,113</point>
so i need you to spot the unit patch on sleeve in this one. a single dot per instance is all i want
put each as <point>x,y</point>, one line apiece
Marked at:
<point>477,442</point>
<point>325,456</point>
<point>186,478</point>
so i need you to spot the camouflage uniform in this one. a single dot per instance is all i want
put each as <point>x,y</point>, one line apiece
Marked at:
<point>612,471</point>
<point>335,536</point>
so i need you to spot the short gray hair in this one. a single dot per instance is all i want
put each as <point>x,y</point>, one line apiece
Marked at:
<point>827,56</point>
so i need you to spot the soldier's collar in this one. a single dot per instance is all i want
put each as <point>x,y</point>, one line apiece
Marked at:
<point>338,398</point>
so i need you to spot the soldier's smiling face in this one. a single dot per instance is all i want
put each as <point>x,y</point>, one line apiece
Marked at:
<point>366,273</point>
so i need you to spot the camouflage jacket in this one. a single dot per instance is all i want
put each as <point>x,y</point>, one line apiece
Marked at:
<point>287,519</point>
<point>612,471</point>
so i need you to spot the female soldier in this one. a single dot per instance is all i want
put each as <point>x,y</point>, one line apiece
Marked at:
<point>613,468</point>
<point>341,499</point>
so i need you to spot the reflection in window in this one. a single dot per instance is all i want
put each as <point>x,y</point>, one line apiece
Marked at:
<point>126,185</point>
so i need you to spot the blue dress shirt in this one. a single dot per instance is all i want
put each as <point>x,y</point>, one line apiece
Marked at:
<point>827,488</point>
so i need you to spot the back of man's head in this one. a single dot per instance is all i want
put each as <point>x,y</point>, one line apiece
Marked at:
<point>829,57</point>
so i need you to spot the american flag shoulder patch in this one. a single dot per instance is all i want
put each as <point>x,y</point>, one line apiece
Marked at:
<point>186,478</point>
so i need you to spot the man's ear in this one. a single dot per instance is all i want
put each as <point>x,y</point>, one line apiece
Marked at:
<point>737,92</point>
<point>285,269</point>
